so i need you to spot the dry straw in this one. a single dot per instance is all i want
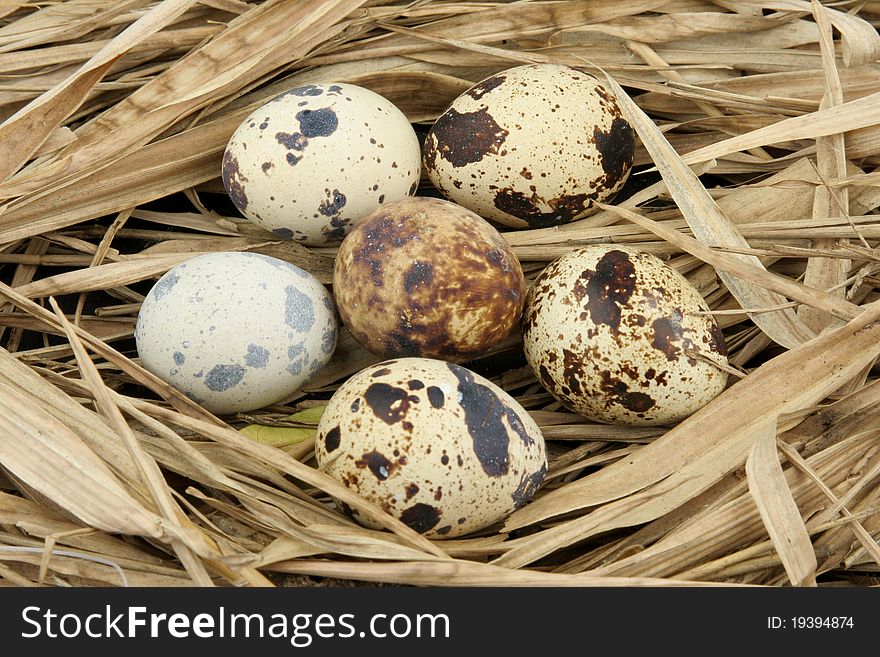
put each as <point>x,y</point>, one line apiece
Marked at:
<point>759,142</point>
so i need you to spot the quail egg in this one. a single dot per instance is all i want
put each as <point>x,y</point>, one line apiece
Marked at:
<point>532,146</point>
<point>236,331</point>
<point>316,159</point>
<point>438,446</point>
<point>619,336</point>
<point>425,277</point>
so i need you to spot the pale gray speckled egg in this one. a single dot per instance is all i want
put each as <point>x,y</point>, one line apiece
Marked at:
<point>236,331</point>
<point>438,446</point>
<point>614,334</point>
<point>316,159</point>
<point>531,146</point>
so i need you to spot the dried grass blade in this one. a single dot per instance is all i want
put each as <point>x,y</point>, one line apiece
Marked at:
<point>196,542</point>
<point>207,469</point>
<point>25,131</point>
<point>36,520</point>
<point>150,173</point>
<point>781,516</point>
<point>711,226</point>
<point>358,542</point>
<point>860,42</point>
<point>15,578</point>
<point>420,95</point>
<point>84,570</point>
<point>63,21</point>
<point>50,458</point>
<point>683,24</point>
<point>493,23</point>
<point>722,261</point>
<point>294,468</point>
<point>282,548</point>
<point>868,542</point>
<point>221,66</point>
<point>733,522</point>
<point>70,53</point>
<point>139,374</point>
<point>11,6</point>
<point>825,273</point>
<point>102,277</point>
<point>727,524</point>
<point>461,573</point>
<point>852,115</point>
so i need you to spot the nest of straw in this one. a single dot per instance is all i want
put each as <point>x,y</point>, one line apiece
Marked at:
<point>756,177</point>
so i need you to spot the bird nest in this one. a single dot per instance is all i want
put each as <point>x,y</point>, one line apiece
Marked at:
<point>755,176</point>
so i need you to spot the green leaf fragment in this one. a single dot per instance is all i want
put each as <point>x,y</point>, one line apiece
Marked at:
<point>309,416</point>
<point>277,436</point>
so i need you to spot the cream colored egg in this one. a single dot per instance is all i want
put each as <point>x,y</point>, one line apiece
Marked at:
<point>619,336</point>
<point>438,446</point>
<point>236,331</point>
<point>313,161</point>
<point>531,146</point>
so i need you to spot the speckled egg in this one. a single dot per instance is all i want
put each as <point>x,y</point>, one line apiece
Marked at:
<point>236,331</point>
<point>437,446</point>
<point>426,277</point>
<point>615,335</point>
<point>318,158</point>
<point>531,147</point>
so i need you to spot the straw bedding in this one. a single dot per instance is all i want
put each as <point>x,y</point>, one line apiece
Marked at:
<point>759,141</point>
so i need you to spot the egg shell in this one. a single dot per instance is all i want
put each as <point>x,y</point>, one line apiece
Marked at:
<point>532,146</point>
<point>426,277</point>
<point>236,331</point>
<point>612,333</point>
<point>318,158</point>
<point>438,446</point>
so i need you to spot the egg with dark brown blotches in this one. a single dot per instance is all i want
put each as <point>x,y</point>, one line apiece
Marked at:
<point>432,443</point>
<point>316,159</point>
<point>619,336</point>
<point>532,146</point>
<point>426,277</point>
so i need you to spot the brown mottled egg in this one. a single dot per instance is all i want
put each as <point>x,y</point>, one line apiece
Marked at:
<point>434,444</point>
<point>425,277</point>
<point>318,158</point>
<point>532,146</point>
<point>615,335</point>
